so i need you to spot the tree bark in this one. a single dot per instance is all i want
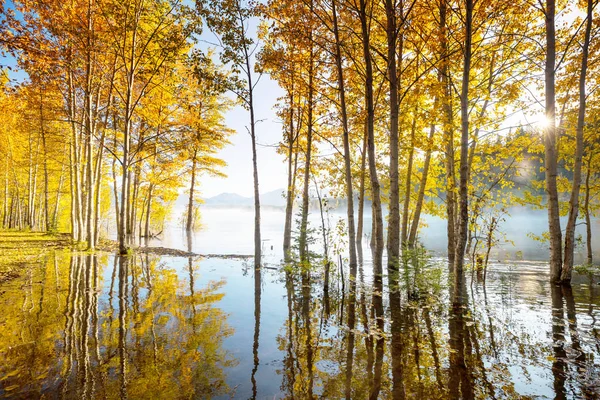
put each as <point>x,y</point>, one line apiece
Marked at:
<point>393,237</point>
<point>289,200</point>
<point>414,226</point>
<point>91,230</point>
<point>346,140</point>
<point>6,194</point>
<point>148,209</point>
<point>586,210</point>
<point>550,141</point>
<point>303,239</point>
<point>448,138</point>
<point>375,187</point>
<point>574,201</point>
<point>45,149</point>
<point>257,239</point>
<point>463,226</point>
<point>190,208</point>
<point>54,223</point>
<point>408,183</point>
<point>361,198</point>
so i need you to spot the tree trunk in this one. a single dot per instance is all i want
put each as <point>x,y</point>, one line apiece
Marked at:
<point>33,209</point>
<point>57,203</point>
<point>303,239</point>
<point>463,225</point>
<point>45,149</point>
<point>323,226</point>
<point>72,192</point>
<point>448,138</point>
<point>116,196</point>
<point>375,188</point>
<point>190,210</point>
<point>5,208</point>
<point>91,230</point>
<point>76,195</point>
<point>574,201</point>
<point>147,233</point>
<point>586,210</point>
<point>125,171</point>
<point>393,237</point>
<point>346,140</point>
<point>550,142</point>
<point>361,198</point>
<point>412,238</point>
<point>289,200</point>
<point>408,184</point>
<point>257,239</point>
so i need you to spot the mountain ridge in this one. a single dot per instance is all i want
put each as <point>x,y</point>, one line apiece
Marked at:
<point>272,198</point>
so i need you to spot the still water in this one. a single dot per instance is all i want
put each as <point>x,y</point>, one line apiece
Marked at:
<point>99,326</point>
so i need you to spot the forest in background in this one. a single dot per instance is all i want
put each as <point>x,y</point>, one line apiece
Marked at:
<point>413,105</point>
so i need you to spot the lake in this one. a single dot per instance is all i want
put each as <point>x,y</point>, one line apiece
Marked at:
<point>77,325</point>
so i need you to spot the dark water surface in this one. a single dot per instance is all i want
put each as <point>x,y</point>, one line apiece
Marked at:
<point>83,326</point>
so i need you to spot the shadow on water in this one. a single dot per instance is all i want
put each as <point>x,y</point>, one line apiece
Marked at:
<point>86,326</point>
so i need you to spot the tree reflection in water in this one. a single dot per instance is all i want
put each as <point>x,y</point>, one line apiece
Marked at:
<point>68,334</point>
<point>438,341</point>
<point>85,326</point>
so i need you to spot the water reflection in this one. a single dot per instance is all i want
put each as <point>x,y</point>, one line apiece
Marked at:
<point>84,326</point>
<point>255,343</point>
<point>465,340</point>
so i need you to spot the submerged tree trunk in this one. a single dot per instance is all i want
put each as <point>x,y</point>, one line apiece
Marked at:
<point>257,239</point>
<point>393,236</point>
<point>586,210</point>
<point>89,131</point>
<point>346,140</point>
<point>375,187</point>
<point>303,239</point>
<point>124,200</point>
<point>448,138</point>
<point>550,142</point>
<point>361,198</point>
<point>463,225</point>
<point>574,201</point>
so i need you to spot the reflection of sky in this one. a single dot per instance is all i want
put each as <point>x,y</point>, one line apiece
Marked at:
<point>239,306</point>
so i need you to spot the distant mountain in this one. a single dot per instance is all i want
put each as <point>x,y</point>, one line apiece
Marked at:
<point>274,198</point>
<point>228,199</point>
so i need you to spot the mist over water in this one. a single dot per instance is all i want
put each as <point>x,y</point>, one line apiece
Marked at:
<point>230,230</point>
